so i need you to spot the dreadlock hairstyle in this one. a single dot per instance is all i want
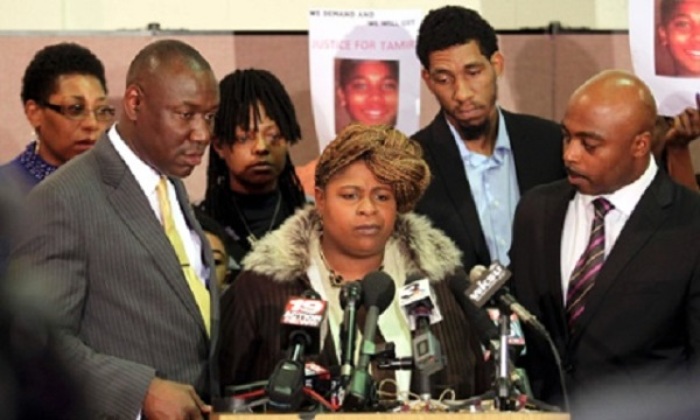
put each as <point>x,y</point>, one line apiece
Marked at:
<point>241,92</point>
<point>449,26</point>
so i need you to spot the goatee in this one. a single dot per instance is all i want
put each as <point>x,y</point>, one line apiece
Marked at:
<point>473,132</point>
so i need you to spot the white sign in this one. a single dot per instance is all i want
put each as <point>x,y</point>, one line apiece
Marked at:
<point>664,54</point>
<point>364,68</point>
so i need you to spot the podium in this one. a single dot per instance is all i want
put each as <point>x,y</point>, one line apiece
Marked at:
<point>495,415</point>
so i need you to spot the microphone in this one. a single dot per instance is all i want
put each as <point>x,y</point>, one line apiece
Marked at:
<point>350,300</point>
<point>377,293</point>
<point>489,282</point>
<point>484,326</point>
<point>472,296</point>
<point>418,303</point>
<point>300,335</point>
<point>417,300</point>
<point>417,293</point>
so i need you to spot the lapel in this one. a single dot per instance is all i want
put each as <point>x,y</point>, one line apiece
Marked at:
<point>554,213</point>
<point>450,170</point>
<point>522,152</point>
<point>132,206</point>
<point>207,256</point>
<point>649,214</point>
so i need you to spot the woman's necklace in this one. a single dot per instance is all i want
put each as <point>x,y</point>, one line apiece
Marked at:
<point>336,279</point>
<point>252,238</point>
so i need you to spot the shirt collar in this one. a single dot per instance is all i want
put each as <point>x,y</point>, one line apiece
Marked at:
<point>34,164</point>
<point>146,176</point>
<point>626,198</point>
<point>502,138</point>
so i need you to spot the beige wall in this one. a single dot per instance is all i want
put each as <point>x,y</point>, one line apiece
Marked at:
<point>541,71</point>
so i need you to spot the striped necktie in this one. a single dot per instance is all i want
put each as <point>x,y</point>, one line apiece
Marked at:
<point>200,292</point>
<point>587,268</point>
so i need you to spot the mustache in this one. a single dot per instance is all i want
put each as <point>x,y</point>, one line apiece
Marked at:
<point>196,148</point>
<point>572,171</point>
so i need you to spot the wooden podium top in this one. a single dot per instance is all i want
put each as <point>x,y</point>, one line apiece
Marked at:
<point>496,415</point>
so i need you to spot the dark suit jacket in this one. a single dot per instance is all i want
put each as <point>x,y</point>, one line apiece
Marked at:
<point>124,308</point>
<point>448,202</point>
<point>642,317</point>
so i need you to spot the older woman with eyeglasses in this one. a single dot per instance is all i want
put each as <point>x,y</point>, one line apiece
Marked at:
<point>367,182</point>
<point>64,93</point>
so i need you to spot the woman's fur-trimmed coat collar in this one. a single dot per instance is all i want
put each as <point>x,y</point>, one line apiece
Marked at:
<point>284,253</point>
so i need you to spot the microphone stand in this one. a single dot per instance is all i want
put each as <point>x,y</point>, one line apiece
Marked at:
<point>507,399</point>
<point>504,394</point>
<point>350,298</point>
<point>422,327</point>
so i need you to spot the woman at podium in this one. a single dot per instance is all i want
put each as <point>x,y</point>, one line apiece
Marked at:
<point>367,183</point>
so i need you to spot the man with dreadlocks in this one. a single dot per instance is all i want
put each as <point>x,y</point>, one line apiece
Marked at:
<point>251,184</point>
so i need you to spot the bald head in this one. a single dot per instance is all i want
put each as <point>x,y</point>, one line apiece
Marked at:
<point>608,128</point>
<point>163,55</point>
<point>622,92</point>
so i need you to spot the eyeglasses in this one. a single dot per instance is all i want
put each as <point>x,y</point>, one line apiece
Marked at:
<point>78,112</point>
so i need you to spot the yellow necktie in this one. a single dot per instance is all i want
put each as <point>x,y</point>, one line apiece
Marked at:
<point>201,294</point>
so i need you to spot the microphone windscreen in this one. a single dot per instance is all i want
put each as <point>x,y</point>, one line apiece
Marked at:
<point>477,272</point>
<point>378,290</point>
<point>485,282</point>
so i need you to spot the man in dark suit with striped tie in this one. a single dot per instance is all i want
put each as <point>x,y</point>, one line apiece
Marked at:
<point>609,259</point>
<point>137,310</point>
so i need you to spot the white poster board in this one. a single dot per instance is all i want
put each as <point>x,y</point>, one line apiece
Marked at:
<point>363,68</point>
<point>662,56</point>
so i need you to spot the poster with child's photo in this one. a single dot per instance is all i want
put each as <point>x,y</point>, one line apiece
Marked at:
<point>665,45</point>
<point>364,69</point>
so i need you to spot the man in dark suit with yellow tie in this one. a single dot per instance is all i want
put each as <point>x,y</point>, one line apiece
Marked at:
<point>609,261</point>
<point>127,266</point>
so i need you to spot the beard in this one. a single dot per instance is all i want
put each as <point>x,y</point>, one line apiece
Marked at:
<point>473,132</point>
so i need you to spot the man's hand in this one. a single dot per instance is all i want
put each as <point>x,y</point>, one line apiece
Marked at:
<point>685,126</point>
<point>172,400</point>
